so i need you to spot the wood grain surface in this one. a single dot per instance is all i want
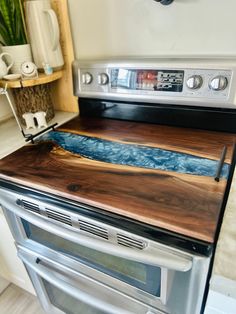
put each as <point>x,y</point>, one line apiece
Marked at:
<point>62,90</point>
<point>182,203</point>
<point>201,143</point>
<point>41,79</point>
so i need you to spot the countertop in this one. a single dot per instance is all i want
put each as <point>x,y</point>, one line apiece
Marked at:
<point>187,204</point>
<point>11,138</point>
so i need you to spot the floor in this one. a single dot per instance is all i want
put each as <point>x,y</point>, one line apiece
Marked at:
<point>14,300</point>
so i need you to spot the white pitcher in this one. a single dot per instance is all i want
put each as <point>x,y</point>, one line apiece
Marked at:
<point>44,34</point>
<point>3,67</point>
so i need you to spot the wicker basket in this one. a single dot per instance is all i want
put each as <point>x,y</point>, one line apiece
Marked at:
<point>33,99</point>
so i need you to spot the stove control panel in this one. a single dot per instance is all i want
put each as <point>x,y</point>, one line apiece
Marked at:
<point>198,83</point>
<point>175,85</point>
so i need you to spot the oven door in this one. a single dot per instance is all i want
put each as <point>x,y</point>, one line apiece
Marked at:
<point>62,290</point>
<point>157,275</point>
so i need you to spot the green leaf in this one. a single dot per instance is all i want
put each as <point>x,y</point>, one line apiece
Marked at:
<point>5,10</point>
<point>3,30</point>
<point>12,26</point>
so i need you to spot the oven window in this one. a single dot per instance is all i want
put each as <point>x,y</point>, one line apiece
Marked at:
<point>67,303</point>
<point>142,276</point>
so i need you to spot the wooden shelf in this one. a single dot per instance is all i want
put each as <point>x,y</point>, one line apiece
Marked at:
<point>42,79</point>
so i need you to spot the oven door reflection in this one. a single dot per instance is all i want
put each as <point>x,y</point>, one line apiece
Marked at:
<point>62,290</point>
<point>139,275</point>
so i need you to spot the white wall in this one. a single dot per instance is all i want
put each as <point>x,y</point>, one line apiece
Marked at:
<point>112,28</point>
<point>5,110</point>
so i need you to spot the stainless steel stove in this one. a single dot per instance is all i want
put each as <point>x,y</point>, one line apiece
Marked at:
<point>81,260</point>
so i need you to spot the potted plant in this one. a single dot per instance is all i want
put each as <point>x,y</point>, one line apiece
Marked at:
<point>13,33</point>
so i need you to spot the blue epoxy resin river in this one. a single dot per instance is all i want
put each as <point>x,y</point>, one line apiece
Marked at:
<point>134,155</point>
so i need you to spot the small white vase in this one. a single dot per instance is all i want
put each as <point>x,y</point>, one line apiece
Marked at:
<point>19,54</point>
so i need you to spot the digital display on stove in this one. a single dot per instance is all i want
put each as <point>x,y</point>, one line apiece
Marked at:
<point>147,80</point>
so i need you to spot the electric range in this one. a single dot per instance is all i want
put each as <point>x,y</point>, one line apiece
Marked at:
<point>119,210</point>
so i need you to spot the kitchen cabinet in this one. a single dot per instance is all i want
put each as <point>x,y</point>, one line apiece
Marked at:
<point>11,267</point>
<point>222,296</point>
<point>220,304</point>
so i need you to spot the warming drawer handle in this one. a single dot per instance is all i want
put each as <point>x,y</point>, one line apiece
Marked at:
<point>34,264</point>
<point>150,256</point>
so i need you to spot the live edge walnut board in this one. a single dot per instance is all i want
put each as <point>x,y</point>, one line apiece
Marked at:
<point>180,201</point>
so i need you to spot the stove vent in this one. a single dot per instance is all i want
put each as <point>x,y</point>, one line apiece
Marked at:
<point>130,242</point>
<point>55,215</point>
<point>30,206</point>
<point>93,229</point>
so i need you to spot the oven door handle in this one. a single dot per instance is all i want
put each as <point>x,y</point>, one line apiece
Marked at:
<point>33,262</point>
<point>155,256</point>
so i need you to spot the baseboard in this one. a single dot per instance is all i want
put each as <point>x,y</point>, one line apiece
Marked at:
<point>21,283</point>
<point>3,284</point>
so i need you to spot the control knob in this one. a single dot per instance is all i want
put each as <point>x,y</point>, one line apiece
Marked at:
<point>218,83</point>
<point>87,78</point>
<point>103,79</point>
<point>194,82</point>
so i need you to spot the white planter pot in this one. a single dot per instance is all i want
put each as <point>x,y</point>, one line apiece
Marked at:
<point>19,54</point>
